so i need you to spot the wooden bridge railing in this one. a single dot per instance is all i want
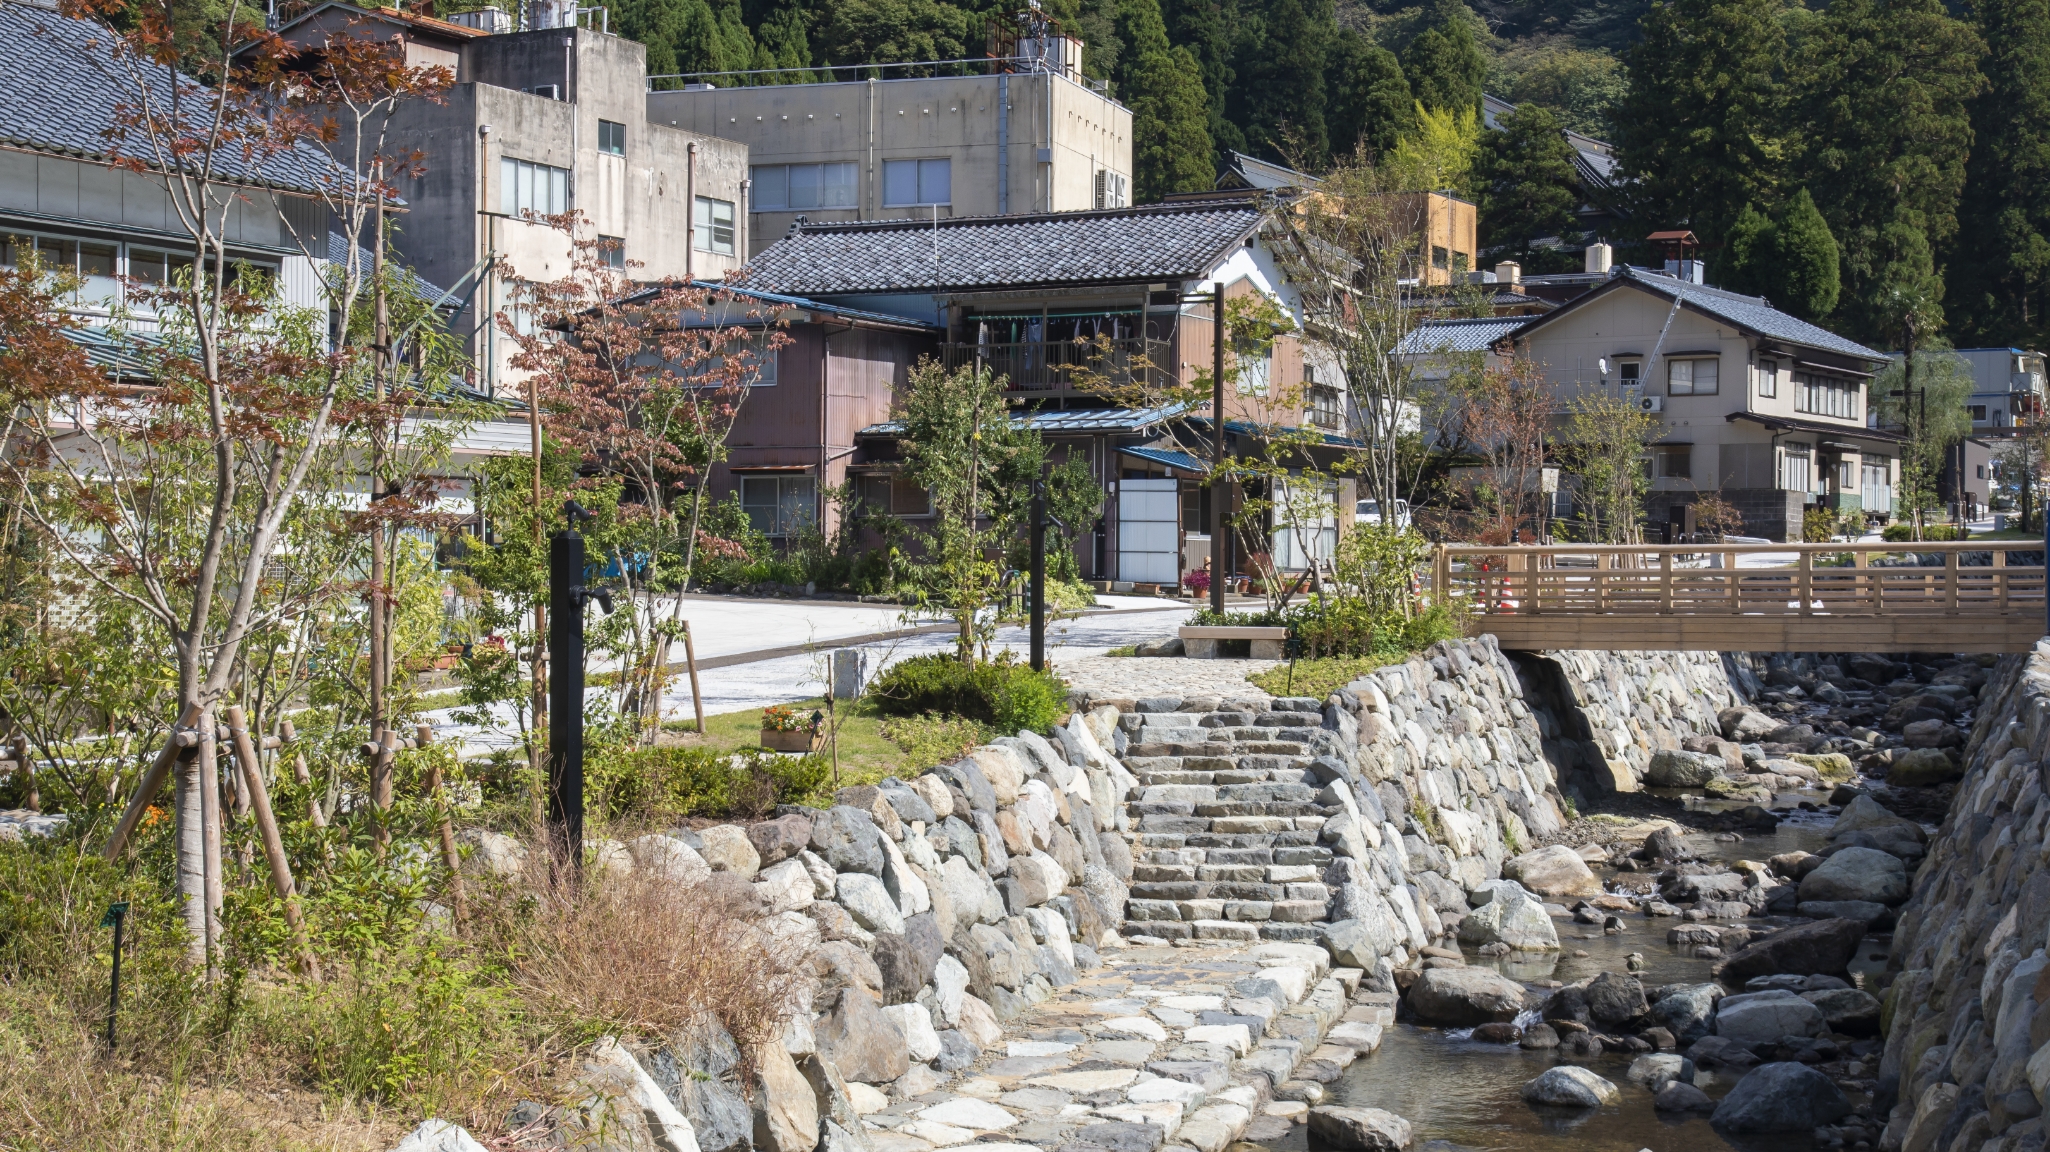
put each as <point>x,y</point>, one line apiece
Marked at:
<point>1705,580</point>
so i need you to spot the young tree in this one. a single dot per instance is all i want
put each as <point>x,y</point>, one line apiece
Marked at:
<point>1439,156</point>
<point>1505,414</point>
<point>1371,106</point>
<point>1527,181</point>
<point>1808,281</point>
<point>1603,448</point>
<point>1925,394</point>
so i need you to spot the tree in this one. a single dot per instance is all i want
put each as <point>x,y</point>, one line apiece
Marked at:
<point>1581,87</point>
<point>1808,278</point>
<point>1371,106</point>
<point>1701,130</point>
<point>1278,100</point>
<point>1439,156</point>
<point>891,31</point>
<point>1603,448</point>
<point>1200,26</point>
<point>1171,150</point>
<point>1924,394</point>
<point>2004,217</point>
<point>1750,250</point>
<point>1884,86</point>
<point>1527,181</point>
<point>1445,65</point>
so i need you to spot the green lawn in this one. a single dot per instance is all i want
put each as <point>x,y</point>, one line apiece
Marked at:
<point>870,746</point>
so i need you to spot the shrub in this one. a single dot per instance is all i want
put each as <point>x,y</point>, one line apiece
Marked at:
<point>1901,533</point>
<point>698,781</point>
<point>930,739</point>
<point>1332,626</point>
<point>1003,693</point>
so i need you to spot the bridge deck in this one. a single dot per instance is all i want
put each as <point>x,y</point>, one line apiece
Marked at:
<point>1751,597</point>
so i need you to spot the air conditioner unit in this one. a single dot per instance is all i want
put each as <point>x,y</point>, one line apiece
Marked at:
<point>1651,403</point>
<point>547,91</point>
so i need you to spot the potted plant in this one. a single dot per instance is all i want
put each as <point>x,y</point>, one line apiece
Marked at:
<point>784,730</point>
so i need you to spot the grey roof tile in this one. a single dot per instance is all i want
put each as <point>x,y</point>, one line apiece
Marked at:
<point>65,86</point>
<point>1751,312</point>
<point>1154,243</point>
<point>1458,335</point>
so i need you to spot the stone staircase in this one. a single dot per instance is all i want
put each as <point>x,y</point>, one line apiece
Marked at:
<point>1225,824</point>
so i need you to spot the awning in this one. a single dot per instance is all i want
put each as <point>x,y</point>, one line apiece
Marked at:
<point>760,468</point>
<point>1817,427</point>
<point>1169,457</point>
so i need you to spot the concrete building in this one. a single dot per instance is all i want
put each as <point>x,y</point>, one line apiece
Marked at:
<point>1040,138</point>
<point>540,123</point>
<point>1447,226</point>
<point>2008,387</point>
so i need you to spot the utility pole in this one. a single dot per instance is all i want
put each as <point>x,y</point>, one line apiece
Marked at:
<point>1218,570</point>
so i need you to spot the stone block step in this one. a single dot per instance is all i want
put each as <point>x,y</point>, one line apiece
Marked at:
<point>1149,779</point>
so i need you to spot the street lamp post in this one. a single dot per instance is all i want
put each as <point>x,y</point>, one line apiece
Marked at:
<point>567,596</point>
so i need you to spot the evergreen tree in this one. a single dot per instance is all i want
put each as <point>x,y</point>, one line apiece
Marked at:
<point>1369,102</point>
<point>1200,27</point>
<point>656,24</point>
<point>783,40</point>
<point>1885,86</point>
<point>1278,101</point>
<point>1163,86</point>
<point>1526,180</point>
<point>1700,129</point>
<point>895,31</point>
<point>1807,261</point>
<point>1750,247</point>
<point>1445,66</point>
<point>2004,225</point>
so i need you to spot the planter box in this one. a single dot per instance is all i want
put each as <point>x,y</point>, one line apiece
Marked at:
<point>776,741</point>
<point>1201,643</point>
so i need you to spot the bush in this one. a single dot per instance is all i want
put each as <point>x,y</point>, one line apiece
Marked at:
<point>1003,693</point>
<point>1332,626</point>
<point>1904,532</point>
<point>698,781</point>
<point>930,739</point>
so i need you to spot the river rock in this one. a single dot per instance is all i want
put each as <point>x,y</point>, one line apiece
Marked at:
<point>1922,768</point>
<point>1864,814</point>
<point>1513,918</point>
<point>1359,1129</point>
<point>1687,1010</point>
<point>1823,947</point>
<point>1613,998</point>
<point>1784,1097</point>
<point>1847,1010</point>
<point>1858,874</point>
<point>861,1041</point>
<point>1465,996</point>
<point>1554,871</point>
<point>1673,768</point>
<point>1570,1086</point>
<point>1745,725</point>
<point>1654,1070</point>
<point>1752,1017</point>
<point>846,839</point>
<point>1860,910</point>
<point>1674,1096</point>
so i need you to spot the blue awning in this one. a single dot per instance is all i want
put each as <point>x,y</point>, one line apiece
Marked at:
<point>1169,457</point>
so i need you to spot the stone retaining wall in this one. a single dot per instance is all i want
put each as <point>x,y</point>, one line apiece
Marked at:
<point>1603,714</point>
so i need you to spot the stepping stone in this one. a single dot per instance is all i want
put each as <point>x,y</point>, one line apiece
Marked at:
<point>1095,1080</point>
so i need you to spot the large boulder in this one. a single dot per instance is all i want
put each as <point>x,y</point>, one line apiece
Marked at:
<point>1674,768</point>
<point>728,849</point>
<point>1783,1097</point>
<point>1570,1086</point>
<point>1864,814</point>
<point>869,902</point>
<point>1465,996</point>
<point>1858,874</point>
<point>1755,1017</point>
<point>1922,768</point>
<point>1656,1069</point>
<point>1613,997</point>
<point>1359,1129</point>
<point>779,839</point>
<point>1554,871</point>
<point>1513,918</point>
<point>1745,725</point>
<point>1824,947</point>
<point>1687,1010</point>
<point>845,837</point>
<point>700,1072</point>
<point>786,1111</point>
<point>1847,1010</point>
<point>865,1045</point>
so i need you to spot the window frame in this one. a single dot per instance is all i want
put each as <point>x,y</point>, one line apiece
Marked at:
<point>1693,382</point>
<point>707,229</point>
<point>1768,379</point>
<point>517,180</point>
<point>611,137</point>
<point>919,186</point>
<point>794,506</point>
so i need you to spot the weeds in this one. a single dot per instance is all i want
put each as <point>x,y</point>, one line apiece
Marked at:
<point>930,739</point>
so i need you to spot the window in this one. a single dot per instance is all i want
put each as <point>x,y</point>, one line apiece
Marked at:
<point>1691,377</point>
<point>712,229</point>
<point>798,187</point>
<point>157,267</point>
<point>916,183</point>
<point>1673,460</point>
<point>908,499</point>
<point>1826,396</point>
<point>1630,373</point>
<point>1797,472</point>
<point>1768,379</point>
<point>1111,189</point>
<point>611,138</point>
<point>524,186</point>
<point>613,249</point>
<point>1978,413</point>
<point>1325,410</point>
<point>1440,257</point>
<point>1255,371</point>
<point>764,365</point>
<point>1981,470</point>
<point>777,505</point>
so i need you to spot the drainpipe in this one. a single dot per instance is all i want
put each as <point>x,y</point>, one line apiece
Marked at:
<point>1003,143</point>
<point>873,192</point>
<point>690,209</point>
<point>744,220</point>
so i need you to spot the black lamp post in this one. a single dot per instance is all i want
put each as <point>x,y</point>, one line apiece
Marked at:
<point>567,595</point>
<point>1040,519</point>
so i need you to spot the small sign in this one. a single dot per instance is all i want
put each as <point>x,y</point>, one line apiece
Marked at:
<point>114,913</point>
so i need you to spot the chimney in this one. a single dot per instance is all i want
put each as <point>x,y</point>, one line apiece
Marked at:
<point>1598,256</point>
<point>1508,272</point>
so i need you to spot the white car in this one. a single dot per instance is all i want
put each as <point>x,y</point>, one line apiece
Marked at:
<point>1369,512</point>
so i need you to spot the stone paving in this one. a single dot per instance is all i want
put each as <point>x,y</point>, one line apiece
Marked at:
<point>1195,1047</point>
<point>1139,677</point>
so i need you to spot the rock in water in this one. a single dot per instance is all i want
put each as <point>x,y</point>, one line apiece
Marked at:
<point>1922,768</point>
<point>1781,1098</point>
<point>1656,1069</point>
<point>1674,1096</point>
<point>1512,918</point>
<point>1761,1016</point>
<point>1672,768</point>
<point>1614,998</point>
<point>1360,1129</point>
<point>1847,1010</point>
<point>1463,996</point>
<point>1824,947</point>
<point>1570,1086</point>
<point>1858,874</point>
<point>1554,871</point>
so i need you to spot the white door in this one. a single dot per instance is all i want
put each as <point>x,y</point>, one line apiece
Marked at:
<point>1149,531</point>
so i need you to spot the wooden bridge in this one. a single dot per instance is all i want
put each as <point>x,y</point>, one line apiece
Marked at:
<point>1788,598</point>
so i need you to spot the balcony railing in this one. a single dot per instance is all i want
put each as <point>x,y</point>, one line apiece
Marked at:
<point>1063,365</point>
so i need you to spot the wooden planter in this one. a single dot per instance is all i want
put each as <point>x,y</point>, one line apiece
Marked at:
<point>799,741</point>
<point>1201,642</point>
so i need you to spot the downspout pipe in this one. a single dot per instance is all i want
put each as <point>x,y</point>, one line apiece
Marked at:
<point>690,210</point>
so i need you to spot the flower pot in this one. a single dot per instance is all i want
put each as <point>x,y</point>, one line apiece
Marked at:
<point>799,741</point>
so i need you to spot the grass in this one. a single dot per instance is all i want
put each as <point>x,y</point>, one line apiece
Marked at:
<point>1318,678</point>
<point>871,746</point>
<point>1124,650</point>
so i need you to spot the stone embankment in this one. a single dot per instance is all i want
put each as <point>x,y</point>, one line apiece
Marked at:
<point>1176,918</point>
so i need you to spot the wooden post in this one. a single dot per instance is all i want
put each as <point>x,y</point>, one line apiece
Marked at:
<point>690,661</point>
<point>210,842</point>
<point>290,735</point>
<point>380,785</point>
<point>238,787</point>
<point>273,844</point>
<point>1602,563</point>
<point>2000,577</point>
<point>1805,579</point>
<point>178,745</point>
<point>34,800</point>
<point>1666,581</point>
<point>1950,579</point>
<point>422,737</point>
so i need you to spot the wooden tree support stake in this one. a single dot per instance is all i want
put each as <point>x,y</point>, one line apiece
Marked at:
<point>422,737</point>
<point>273,846</point>
<point>177,746</point>
<point>300,775</point>
<point>690,661</point>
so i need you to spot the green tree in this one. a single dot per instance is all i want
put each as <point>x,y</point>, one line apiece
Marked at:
<point>1526,180</point>
<point>1700,129</point>
<point>1885,86</point>
<point>1750,247</point>
<point>1163,86</point>
<point>1445,65</point>
<point>1924,394</point>
<point>1808,278</point>
<point>1278,100</point>
<point>1581,87</point>
<point>1200,26</point>
<point>783,40</point>
<point>884,31</point>
<point>1370,105</point>
<point>2004,226</point>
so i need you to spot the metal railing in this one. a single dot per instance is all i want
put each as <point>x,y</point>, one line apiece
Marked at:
<point>1975,580</point>
<point>1051,365</point>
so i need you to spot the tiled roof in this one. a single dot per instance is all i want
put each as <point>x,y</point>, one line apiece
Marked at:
<point>1163,242</point>
<point>1751,313</point>
<point>65,84</point>
<point>1461,335</point>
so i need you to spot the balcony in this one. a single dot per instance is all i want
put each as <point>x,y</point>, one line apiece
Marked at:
<point>1070,365</point>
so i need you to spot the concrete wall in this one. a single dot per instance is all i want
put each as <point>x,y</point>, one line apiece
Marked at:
<point>870,122</point>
